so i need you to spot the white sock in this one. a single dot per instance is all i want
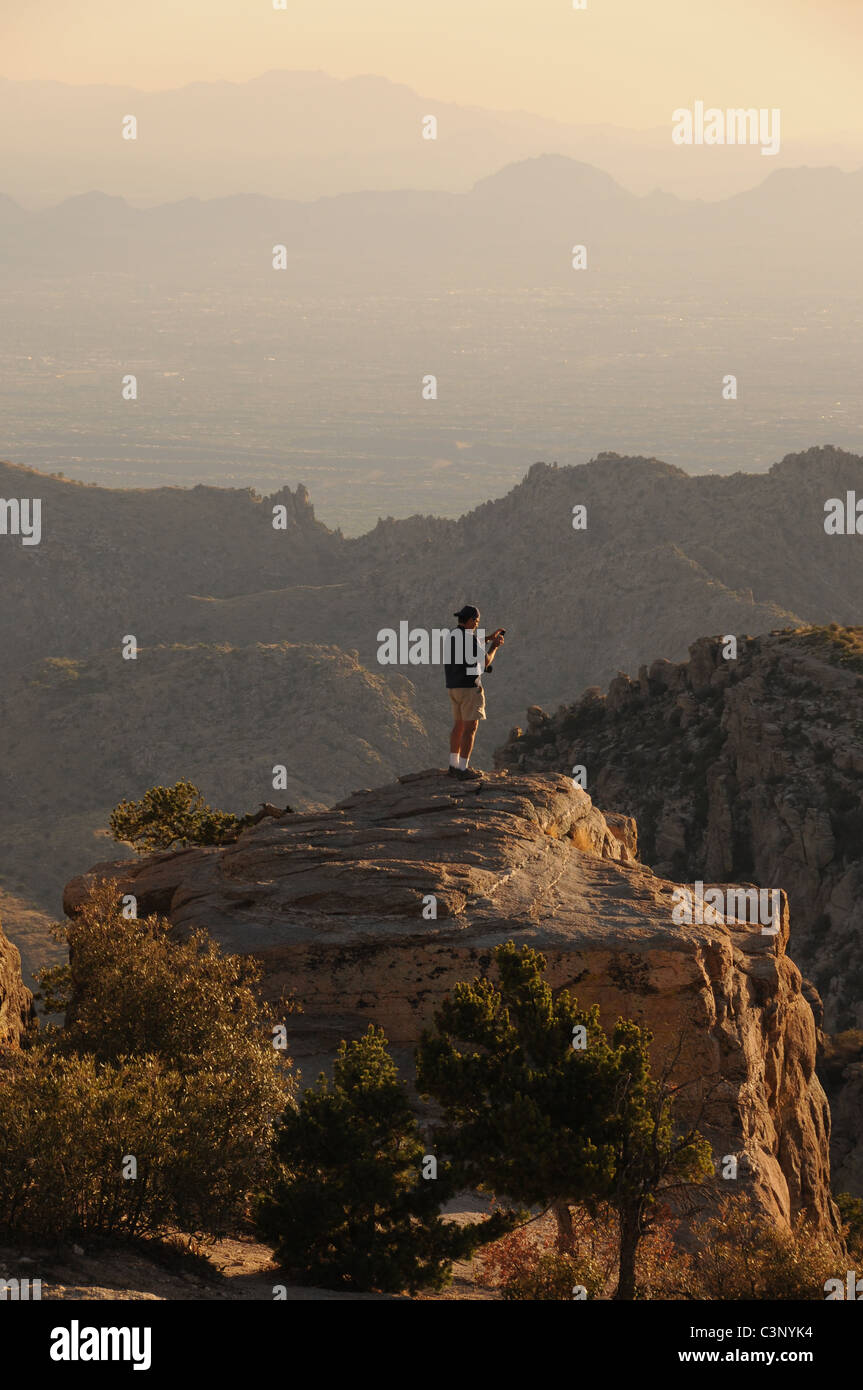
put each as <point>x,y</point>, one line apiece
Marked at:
<point>453,759</point>
<point>462,762</point>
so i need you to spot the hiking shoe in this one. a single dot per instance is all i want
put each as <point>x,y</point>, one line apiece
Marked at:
<point>453,772</point>
<point>468,774</point>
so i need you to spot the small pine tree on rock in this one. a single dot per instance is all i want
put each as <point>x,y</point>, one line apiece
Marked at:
<point>169,816</point>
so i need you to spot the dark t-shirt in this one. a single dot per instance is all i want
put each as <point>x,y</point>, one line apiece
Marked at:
<point>458,673</point>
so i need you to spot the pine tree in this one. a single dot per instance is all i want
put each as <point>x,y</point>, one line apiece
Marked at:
<point>541,1108</point>
<point>653,1159</point>
<point>168,816</point>
<point>350,1206</point>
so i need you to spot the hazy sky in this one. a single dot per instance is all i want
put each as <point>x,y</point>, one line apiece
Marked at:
<point>624,61</point>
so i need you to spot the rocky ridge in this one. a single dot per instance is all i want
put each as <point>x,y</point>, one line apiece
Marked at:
<point>200,574</point>
<point>751,769</point>
<point>338,908</point>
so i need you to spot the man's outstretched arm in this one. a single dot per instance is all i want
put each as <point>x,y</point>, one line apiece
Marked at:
<point>491,651</point>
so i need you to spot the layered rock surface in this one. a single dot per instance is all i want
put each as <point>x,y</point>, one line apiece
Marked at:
<point>747,766</point>
<point>336,906</point>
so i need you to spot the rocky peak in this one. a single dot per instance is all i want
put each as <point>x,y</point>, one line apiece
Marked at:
<point>373,910</point>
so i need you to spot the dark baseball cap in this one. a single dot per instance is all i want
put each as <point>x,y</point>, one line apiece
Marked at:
<point>467,612</point>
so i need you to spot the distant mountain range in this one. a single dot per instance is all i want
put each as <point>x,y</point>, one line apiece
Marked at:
<point>307,135</point>
<point>799,228</point>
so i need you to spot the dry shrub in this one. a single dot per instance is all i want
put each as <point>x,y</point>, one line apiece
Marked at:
<point>166,1058</point>
<point>742,1255</point>
<point>739,1255</point>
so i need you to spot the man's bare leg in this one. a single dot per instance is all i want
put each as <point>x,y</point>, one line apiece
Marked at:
<point>456,736</point>
<point>465,748</point>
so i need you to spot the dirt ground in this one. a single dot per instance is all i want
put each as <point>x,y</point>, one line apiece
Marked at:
<point>242,1268</point>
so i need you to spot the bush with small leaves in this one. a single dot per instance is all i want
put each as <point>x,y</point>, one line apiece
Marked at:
<point>527,1268</point>
<point>69,1127</point>
<point>134,986</point>
<point>167,1057</point>
<point>742,1255</point>
<point>851,1211</point>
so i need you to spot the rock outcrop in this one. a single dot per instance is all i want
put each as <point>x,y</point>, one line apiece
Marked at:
<point>746,767</point>
<point>17,1011</point>
<point>339,907</point>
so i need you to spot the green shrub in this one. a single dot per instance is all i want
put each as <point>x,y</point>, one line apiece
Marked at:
<point>540,1121</point>
<point>553,1276</point>
<point>168,816</point>
<point>851,1211</point>
<point>69,1124</point>
<point>167,1056</point>
<point>133,986</point>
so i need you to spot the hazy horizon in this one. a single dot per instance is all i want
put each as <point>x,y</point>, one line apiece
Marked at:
<point>306,133</point>
<point>620,62</point>
<point>247,377</point>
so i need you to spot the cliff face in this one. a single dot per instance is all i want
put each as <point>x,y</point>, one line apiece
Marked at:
<point>16,1002</point>
<point>748,768</point>
<point>338,907</point>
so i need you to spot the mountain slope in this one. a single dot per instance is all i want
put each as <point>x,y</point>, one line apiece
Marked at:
<point>665,557</point>
<point>514,228</point>
<point>78,736</point>
<point>309,135</point>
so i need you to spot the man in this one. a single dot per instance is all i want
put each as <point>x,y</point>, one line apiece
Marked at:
<point>464,683</point>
